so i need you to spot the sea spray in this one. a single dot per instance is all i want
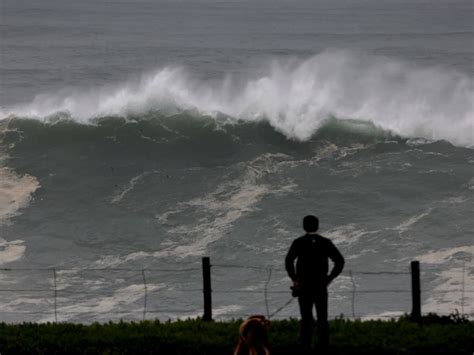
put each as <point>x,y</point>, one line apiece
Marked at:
<point>295,97</point>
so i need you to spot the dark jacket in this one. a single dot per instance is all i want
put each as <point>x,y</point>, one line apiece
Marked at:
<point>313,252</point>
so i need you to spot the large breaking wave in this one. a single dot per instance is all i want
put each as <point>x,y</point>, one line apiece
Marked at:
<point>295,97</point>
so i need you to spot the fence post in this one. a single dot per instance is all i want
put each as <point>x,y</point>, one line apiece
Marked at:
<point>206,278</point>
<point>416,291</point>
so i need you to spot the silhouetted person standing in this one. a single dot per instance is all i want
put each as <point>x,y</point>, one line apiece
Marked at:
<point>311,278</point>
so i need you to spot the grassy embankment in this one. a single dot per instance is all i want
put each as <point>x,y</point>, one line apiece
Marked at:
<point>438,335</point>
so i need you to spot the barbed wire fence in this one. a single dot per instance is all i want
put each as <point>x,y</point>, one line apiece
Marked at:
<point>102,294</point>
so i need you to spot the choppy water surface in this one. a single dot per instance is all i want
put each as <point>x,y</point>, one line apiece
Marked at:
<point>146,136</point>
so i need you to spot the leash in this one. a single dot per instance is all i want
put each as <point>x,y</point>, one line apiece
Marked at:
<point>282,307</point>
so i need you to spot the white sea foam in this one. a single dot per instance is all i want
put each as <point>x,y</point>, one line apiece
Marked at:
<point>470,184</point>
<point>225,205</point>
<point>384,315</point>
<point>295,97</point>
<point>103,306</point>
<point>445,255</point>
<point>118,196</point>
<point>448,296</point>
<point>454,200</point>
<point>15,193</point>
<point>22,301</point>
<point>227,310</point>
<point>222,207</point>
<point>223,312</point>
<point>11,251</point>
<point>334,152</point>
<point>347,234</point>
<point>406,224</point>
<point>453,288</point>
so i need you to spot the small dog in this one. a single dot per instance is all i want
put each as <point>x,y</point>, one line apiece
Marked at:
<point>253,337</point>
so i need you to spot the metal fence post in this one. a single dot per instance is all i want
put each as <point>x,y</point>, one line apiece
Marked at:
<point>416,291</point>
<point>206,278</point>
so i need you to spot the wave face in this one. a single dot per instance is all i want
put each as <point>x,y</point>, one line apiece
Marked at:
<point>294,97</point>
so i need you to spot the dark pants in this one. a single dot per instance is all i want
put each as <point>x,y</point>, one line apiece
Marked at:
<point>319,298</point>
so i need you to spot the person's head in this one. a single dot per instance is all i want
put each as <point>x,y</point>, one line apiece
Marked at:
<point>311,224</point>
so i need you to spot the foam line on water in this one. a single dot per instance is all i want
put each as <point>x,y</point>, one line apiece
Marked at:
<point>222,207</point>
<point>447,296</point>
<point>457,274</point>
<point>15,193</point>
<point>11,250</point>
<point>442,256</point>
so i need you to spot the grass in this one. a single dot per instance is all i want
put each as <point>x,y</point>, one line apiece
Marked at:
<point>438,335</point>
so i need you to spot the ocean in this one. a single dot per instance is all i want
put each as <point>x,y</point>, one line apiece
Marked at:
<point>139,136</point>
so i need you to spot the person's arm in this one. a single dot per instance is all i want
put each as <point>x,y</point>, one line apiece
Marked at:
<point>290,262</point>
<point>336,256</point>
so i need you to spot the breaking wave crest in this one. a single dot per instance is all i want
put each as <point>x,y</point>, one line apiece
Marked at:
<point>295,98</point>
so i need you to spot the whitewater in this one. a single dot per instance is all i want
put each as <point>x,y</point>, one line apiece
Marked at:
<point>295,97</point>
<point>136,139</point>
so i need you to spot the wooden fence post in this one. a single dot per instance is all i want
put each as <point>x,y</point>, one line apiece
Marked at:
<point>206,278</point>
<point>415,291</point>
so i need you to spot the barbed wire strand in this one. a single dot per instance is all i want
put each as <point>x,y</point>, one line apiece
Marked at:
<point>198,268</point>
<point>190,269</point>
<point>134,312</point>
<point>100,269</point>
<point>237,266</point>
<point>382,272</point>
<point>358,272</point>
<point>107,292</point>
<point>266,292</point>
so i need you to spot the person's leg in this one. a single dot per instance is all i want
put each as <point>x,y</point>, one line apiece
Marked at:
<point>322,314</point>
<point>306,302</point>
